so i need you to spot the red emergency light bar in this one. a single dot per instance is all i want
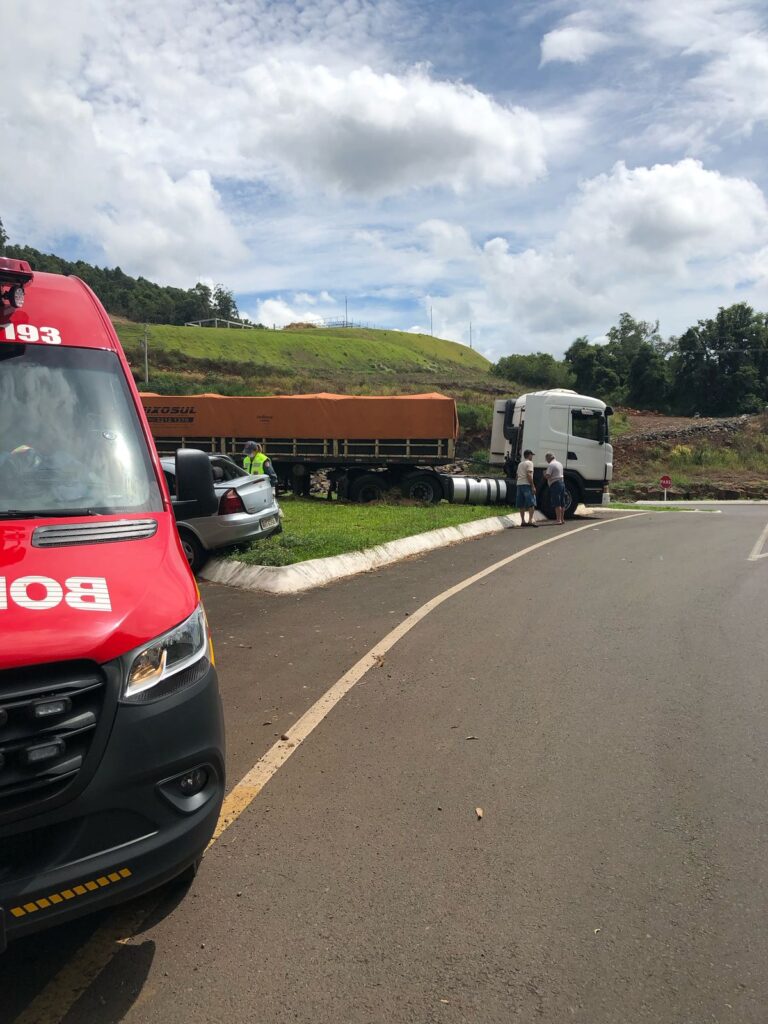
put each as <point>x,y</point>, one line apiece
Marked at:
<point>15,273</point>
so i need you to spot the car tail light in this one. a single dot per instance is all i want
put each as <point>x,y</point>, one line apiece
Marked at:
<point>231,503</point>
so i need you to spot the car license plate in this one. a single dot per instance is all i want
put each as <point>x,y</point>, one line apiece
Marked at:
<point>269,522</point>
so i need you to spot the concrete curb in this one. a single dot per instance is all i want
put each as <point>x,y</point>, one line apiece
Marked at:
<point>292,579</point>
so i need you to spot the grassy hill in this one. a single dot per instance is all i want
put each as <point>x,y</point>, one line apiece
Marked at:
<point>341,352</point>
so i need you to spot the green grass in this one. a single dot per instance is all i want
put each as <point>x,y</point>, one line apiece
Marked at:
<point>315,528</point>
<point>619,424</point>
<point>348,350</point>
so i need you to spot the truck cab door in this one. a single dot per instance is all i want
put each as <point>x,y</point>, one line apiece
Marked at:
<point>586,454</point>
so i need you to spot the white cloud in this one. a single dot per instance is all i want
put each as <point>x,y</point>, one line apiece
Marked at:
<point>633,238</point>
<point>379,134</point>
<point>573,44</point>
<point>277,312</point>
<point>734,85</point>
<point>699,66</point>
<point>308,299</point>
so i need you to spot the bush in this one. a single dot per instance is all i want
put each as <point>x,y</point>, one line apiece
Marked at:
<point>474,417</point>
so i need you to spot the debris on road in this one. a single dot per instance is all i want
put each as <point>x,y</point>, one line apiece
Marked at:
<point>479,813</point>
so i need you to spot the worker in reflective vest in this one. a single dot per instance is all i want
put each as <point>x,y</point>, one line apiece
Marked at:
<point>257,463</point>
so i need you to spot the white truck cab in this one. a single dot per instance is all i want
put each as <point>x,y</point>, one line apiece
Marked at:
<point>574,427</point>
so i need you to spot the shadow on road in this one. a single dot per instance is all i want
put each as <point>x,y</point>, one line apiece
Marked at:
<point>33,965</point>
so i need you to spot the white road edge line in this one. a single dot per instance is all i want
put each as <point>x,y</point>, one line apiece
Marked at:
<point>53,1003</point>
<point>757,551</point>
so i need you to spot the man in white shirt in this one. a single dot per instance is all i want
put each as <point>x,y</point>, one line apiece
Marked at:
<point>553,474</point>
<point>525,499</point>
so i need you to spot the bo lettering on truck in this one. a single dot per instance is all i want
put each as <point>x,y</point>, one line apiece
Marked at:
<point>41,593</point>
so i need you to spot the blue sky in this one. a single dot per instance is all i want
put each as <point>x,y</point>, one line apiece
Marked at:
<point>534,168</point>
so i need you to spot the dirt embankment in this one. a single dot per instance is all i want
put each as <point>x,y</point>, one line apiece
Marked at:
<point>705,457</point>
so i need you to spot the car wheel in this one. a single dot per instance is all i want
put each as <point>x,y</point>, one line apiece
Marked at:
<point>368,487</point>
<point>194,551</point>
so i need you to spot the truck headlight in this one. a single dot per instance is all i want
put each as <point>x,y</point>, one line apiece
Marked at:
<point>176,651</point>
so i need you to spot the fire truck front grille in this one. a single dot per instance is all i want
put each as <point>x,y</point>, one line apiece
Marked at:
<point>48,718</point>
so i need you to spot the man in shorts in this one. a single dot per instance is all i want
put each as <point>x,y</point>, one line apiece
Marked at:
<point>525,499</point>
<point>554,477</point>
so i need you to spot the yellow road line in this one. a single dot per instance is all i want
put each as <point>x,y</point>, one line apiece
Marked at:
<point>54,1002</point>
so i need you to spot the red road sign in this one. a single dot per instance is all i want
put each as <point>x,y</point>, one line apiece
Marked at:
<point>666,482</point>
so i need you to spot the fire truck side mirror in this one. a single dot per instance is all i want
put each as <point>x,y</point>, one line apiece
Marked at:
<point>195,495</point>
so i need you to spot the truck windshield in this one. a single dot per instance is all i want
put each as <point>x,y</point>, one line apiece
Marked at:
<point>70,440</point>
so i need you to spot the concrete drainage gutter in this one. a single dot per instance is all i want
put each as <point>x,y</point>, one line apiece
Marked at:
<point>292,579</point>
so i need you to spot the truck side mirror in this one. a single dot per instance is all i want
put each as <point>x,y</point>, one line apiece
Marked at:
<point>195,495</point>
<point>510,431</point>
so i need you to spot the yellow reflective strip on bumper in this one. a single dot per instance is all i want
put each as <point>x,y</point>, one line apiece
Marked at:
<point>81,889</point>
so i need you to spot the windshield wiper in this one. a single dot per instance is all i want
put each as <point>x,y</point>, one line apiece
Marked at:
<point>46,513</point>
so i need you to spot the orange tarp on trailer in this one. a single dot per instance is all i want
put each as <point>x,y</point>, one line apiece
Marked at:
<point>335,417</point>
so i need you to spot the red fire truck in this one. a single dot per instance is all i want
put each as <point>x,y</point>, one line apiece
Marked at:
<point>111,735</point>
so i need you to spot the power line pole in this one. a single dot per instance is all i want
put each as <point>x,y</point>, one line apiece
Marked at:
<point>470,334</point>
<point>346,315</point>
<point>431,328</point>
<point>146,356</point>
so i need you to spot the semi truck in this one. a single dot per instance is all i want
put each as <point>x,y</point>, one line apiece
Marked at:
<point>111,727</point>
<point>574,427</point>
<point>371,445</point>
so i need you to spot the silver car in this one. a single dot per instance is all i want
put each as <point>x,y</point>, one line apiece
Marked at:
<point>247,510</point>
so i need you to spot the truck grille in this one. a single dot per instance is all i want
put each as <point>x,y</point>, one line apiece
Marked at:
<point>48,717</point>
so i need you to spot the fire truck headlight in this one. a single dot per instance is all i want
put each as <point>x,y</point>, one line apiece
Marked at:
<point>179,649</point>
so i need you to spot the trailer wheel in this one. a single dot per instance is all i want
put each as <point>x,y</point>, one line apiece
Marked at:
<point>367,487</point>
<point>426,487</point>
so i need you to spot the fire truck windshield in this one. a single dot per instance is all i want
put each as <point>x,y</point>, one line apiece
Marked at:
<point>70,439</point>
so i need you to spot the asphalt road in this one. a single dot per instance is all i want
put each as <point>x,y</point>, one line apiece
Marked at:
<point>601,699</point>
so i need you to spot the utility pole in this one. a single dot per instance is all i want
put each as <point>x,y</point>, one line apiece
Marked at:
<point>470,334</point>
<point>346,316</point>
<point>146,356</point>
<point>431,329</point>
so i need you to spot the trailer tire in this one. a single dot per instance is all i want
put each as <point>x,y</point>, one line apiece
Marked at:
<point>426,487</point>
<point>367,487</point>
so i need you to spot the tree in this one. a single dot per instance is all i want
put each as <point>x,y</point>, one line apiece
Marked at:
<point>224,304</point>
<point>721,364</point>
<point>538,370</point>
<point>3,239</point>
<point>648,381</point>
